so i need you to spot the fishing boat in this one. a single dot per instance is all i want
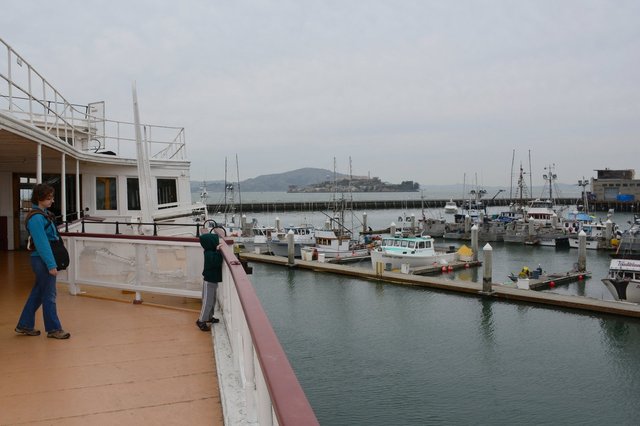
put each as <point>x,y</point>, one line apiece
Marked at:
<point>599,235</point>
<point>414,251</point>
<point>623,280</point>
<point>332,244</point>
<point>629,242</point>
<point>303,236</point>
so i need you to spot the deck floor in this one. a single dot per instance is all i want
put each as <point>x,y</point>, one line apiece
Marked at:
<point>124,363</point>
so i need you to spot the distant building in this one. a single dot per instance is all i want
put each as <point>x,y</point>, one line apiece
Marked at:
<point>616,185</point>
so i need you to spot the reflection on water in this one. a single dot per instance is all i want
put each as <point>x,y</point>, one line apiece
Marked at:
<point>380,354</point>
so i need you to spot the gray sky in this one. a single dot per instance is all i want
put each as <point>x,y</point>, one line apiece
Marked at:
<point>411,90</point>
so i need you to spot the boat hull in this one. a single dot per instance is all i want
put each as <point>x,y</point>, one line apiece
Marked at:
<point>395,260</point>
<point>626,291</point>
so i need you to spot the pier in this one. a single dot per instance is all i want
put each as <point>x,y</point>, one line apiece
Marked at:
<point>498,291</point>
<point>364,205</point>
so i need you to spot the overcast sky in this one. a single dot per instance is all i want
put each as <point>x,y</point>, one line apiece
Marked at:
<point>410,90</point>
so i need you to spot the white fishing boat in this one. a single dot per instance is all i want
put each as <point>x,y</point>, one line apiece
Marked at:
<point>414,251</point>
<point>303,236</point>
<point>623,280</point>
<point>450,207</point>
<point>599,235</point>
<point>331,244</point>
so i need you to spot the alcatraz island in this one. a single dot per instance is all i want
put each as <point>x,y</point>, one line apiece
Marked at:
<point>357,184</point>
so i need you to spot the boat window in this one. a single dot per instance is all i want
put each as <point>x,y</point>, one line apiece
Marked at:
<point>106,194</point>
<point>412,244</point>
<point>167,191</point>
<point>133,194</point>
<point>404,243</point>
<point>396,243</point>
<point>427,244</point>
<point>421,244</point>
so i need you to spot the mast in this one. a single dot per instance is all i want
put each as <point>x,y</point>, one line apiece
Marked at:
<point>530,175</point>
<point>144,167</point>
<point>513,156</point>
<point>238,179</point>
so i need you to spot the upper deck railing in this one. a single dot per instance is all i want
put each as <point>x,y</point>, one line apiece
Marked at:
<point>26,95</point>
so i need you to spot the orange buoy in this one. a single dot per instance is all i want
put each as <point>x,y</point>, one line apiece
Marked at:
<point>450,268</point>
<point>552,284</point>
<point>444,269</point>
<point>580,277</point>
<point>466,265</point>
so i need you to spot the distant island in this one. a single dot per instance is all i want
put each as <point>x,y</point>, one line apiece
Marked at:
<point>359,184</point>
<point>307,180</point>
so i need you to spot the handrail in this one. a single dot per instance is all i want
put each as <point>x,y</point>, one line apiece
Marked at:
<point>75,126</point>
<point>289,401</point>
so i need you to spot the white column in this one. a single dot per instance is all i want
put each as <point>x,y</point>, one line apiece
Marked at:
<point>63,187</point>
<point>582,251</point>
<point>39,164</point>
<point>474,241</point>
<point>78,207</point>
<point>487,268</point>
<point>290,248</point>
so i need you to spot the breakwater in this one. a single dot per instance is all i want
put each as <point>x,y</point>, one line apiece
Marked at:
<point>364,205</point>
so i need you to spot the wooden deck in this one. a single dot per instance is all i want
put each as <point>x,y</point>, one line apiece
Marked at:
<point>124,363</point>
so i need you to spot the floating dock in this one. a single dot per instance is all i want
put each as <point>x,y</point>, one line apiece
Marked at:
<point>552,280</point>
<point>499,291</point>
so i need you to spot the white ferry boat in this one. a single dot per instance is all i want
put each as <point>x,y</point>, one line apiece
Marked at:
<point>122,193</point>
<point>450,207</point>
<point>415,251</point>
<point>623,280</point>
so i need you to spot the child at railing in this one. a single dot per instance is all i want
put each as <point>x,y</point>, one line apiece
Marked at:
<point>212,274</point>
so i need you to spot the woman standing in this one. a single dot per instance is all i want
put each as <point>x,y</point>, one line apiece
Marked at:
<point>42,229</point>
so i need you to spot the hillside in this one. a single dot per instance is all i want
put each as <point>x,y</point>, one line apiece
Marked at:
<point>277,182</point>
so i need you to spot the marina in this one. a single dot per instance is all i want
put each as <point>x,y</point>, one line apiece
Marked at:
<point>353,326</point>
<point>499,291</point>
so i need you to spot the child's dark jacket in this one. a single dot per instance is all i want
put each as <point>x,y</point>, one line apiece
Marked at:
<point>212,258</point>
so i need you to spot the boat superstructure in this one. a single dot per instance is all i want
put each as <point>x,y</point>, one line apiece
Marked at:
<point>93,162</point>
<point>394,251</point>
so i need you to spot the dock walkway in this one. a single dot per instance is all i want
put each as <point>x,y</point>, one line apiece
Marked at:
<point>499,291</point>
<point>124,364</point>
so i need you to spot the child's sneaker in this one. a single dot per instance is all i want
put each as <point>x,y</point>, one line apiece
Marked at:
<point>203,325</point>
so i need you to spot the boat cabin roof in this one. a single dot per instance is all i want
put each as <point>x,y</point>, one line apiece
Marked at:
<point>625,265</point>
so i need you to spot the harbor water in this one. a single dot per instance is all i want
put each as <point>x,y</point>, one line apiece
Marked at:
<point>378,354</point>
<point>373,353</point>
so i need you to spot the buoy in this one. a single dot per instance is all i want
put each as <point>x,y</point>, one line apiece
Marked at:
<point>580,277</point>
<point>450,268</point>
<point>444,269</point>
<point>552,284</point>
<point>466,265</point>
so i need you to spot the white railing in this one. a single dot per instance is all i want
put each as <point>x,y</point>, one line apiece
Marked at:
<point>173,266</point>
<point>27,95</point>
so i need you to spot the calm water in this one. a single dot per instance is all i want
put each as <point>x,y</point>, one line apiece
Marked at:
<point>379,354</point>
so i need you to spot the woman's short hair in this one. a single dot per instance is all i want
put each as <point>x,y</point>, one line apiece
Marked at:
<point>41,192</point>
